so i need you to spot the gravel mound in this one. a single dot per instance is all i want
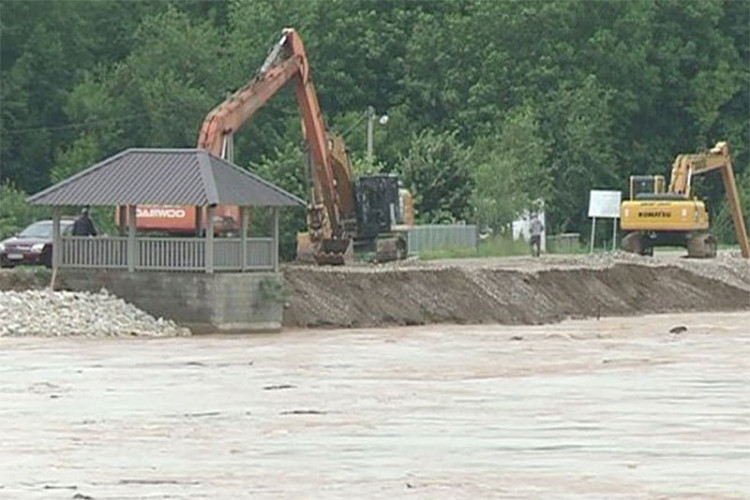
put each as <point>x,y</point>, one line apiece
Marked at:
<point>57,314</point>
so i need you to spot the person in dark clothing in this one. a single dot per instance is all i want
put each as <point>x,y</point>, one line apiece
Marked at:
<point>84,226</point>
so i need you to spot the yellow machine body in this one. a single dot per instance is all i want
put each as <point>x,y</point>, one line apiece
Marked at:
<point>663,215</point>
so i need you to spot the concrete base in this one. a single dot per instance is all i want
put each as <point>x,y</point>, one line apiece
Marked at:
<point>205,303</point>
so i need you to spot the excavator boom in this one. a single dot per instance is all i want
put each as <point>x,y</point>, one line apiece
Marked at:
<point>229,116</point>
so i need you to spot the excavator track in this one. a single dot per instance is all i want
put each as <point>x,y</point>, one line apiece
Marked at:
<point>701,246</point>
<point>635,242</point>
<point>390,248</point>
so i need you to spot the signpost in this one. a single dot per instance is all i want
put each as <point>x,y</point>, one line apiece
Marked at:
<point>604,205</point>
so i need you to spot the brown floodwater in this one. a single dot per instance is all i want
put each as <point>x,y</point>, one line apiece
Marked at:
<point>616,408</point>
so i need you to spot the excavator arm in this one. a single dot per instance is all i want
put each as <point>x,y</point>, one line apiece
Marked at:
<point>689,165</point>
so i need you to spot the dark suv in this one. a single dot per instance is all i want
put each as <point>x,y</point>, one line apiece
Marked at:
<point>33,245</point>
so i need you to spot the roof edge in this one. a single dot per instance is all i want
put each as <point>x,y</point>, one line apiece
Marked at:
<point>207,177</point>
<point>34,197</point>
<point>260,179</point>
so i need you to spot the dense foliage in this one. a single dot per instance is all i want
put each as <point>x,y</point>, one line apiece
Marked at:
<point>492,104</point>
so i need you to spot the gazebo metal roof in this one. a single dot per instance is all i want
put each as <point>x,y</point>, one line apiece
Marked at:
<point>165,177</point>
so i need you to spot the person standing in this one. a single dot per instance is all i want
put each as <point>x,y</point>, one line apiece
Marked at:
<point>84,226</point>
<point>536,228</point>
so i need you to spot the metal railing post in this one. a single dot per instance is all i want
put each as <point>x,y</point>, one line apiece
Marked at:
<point>243,238</point>
<point>275,240</point>
<point>132,248</point>
<point>210,238</point>
<point>57,248</point>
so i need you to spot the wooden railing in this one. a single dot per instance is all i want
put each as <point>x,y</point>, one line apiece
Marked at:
<point>171,254</point>
<point>82,251</point>
<point>167,254</point>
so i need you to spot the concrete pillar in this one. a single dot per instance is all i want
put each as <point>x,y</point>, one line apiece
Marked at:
<point>244,217</point>
<point>56,240</point>
<point>210,238</point>
<point>275,239</point>
<point>132,246</point>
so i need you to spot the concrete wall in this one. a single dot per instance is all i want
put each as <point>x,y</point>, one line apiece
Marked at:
<point>219,302</point>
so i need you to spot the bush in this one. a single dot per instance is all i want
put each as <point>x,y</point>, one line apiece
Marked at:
<point>15,212</point>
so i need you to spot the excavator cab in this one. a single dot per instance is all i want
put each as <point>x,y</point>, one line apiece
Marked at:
<point>646,186</point>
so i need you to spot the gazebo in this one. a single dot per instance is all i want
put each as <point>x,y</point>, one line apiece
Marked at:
<point>167,177</point>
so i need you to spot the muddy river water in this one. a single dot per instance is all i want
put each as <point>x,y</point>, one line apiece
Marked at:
<point>615,408</point>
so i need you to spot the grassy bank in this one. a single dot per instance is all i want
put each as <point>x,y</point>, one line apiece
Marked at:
<point>499,246</point>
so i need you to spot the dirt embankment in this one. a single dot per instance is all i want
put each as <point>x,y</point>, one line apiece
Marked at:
<point>513,291</point>
<point>508,291</point>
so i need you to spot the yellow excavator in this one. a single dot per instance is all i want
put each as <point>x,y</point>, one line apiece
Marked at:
<point>655,216</point>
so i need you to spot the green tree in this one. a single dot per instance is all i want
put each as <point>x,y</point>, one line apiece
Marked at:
<point>47,47</point>
<point>437,172</point>
<point>578,124</point>
<point>287,169</point>
<point>83,153</point>
<point>510,170</point>
<point>15,212</point>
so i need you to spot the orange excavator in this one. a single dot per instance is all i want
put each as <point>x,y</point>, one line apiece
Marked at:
<point>341,210</point>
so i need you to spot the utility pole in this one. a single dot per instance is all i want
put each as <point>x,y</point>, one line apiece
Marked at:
<point>370,132</point>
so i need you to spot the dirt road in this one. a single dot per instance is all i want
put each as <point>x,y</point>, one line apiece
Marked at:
<point>618,408</point>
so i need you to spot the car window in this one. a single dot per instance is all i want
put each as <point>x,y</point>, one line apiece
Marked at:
<point>41,229</point>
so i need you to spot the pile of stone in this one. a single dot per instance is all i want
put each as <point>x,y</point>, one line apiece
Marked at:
<point>56,314</point>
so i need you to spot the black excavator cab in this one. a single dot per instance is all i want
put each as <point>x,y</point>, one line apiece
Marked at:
<point>378,206</point>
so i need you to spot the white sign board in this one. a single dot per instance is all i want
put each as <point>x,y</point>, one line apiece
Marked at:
<point>604,204</point>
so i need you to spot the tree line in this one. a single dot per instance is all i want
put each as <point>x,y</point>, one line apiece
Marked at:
<point>491,104</point>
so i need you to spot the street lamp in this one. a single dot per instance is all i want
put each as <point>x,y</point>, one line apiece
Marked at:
<point>369,115</point>
<point>370,130</point>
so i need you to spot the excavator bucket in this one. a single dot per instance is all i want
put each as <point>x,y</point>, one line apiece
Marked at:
<point>335,252</point>
<point>328,252</point>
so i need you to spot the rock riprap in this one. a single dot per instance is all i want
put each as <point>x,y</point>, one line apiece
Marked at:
<point>56,314</point>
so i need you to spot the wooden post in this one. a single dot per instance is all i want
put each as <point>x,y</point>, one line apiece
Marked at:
<point>243,237</point>
<point>275,240</point>
<point>198,223</point>
<point>56,245</point>
<point>132,247</point>
<point>593,234</point>
<point>210,238</point>
<point>122,213</point>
